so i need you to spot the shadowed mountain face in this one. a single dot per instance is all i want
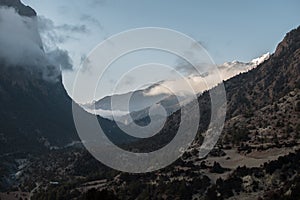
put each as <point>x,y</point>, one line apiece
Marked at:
<point>35,110</point>
<point>34,113</point>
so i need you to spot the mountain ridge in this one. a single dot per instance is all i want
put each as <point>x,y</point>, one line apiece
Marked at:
<point>35,112</point>
<point>170,102</point>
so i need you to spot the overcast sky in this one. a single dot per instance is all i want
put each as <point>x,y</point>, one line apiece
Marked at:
<point>229,30</point>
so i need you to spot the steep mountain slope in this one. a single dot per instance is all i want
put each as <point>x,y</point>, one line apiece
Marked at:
<point>270,81</point>
<point>35,113</point>
<point>262,103</point>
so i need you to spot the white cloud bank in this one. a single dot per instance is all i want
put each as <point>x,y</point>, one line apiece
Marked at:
<point>206,81</point>
<point>21,45</point>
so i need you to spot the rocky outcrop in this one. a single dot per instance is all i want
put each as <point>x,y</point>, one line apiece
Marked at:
<point>19,6</point>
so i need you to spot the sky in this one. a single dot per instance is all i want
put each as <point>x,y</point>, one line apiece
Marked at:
<point>229,30</point>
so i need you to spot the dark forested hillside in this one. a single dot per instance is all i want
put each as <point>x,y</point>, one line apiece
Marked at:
<point>270,81</point>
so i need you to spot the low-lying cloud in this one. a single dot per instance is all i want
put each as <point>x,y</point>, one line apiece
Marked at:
<point>60,58</point>
<point>202,82</point>
<point>58,34</point>
<point>73,28</point>
<point>19,39</point>
<point>21,45</point>
<point>91,19</point>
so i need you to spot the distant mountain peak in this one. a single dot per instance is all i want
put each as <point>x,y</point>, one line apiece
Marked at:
<point>153,95</point>
<point>255,62</point>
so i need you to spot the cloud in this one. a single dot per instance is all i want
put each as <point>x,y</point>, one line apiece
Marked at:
<point>20,42</point>
<point>60,58</point>
<point>58,34</point>
<point>94,3</point>
<point>21,45</point>
<point>72,28</point>
<point>51,39</point>
<point>49,35</point>
<point>205,81</point>
<point>46,24</point>
<point>92,20</point>
<point>185,67</point>
<point>85,64</point>
<point>182,87</point>
<point>128,80</point>
<point>197,55</point>
<point>109,113</point>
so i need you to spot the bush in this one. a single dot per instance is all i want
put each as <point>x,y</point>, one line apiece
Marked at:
<point>240,135</point>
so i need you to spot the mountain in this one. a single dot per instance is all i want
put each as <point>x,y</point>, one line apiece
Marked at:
<point>256,157</point>
<point>35,109</point>
<point>138,101</point>
<point>141,100</point>
<point>263,85</point>
<point>35,112</point>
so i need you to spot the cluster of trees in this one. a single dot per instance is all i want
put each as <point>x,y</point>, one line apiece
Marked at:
<point>240,135</point>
